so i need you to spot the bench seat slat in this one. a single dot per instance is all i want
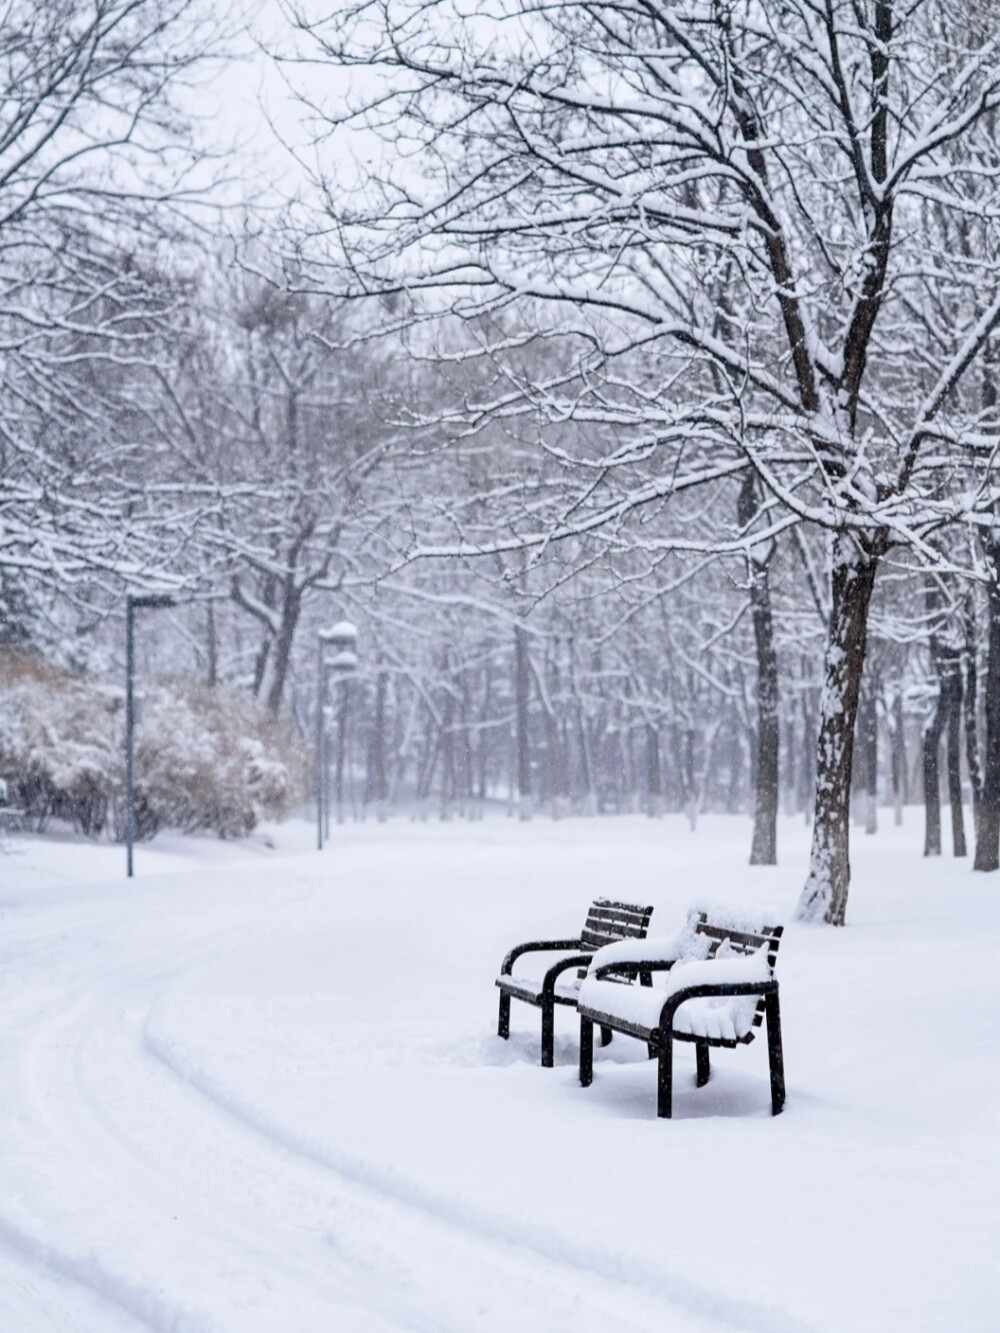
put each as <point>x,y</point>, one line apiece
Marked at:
<point>523,988</point>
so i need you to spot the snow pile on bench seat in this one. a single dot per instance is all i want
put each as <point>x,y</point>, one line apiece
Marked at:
<point>685,944</point>
<point>722,1018</point>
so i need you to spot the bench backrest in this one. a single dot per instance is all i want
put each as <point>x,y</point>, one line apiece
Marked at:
<point>740,941</point>
<point>745,942</point>
<point>608,921</point>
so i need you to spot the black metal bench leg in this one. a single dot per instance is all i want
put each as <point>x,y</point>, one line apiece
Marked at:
<point>704,1067</point>
<point>665,1075</point>
<point>548,1034</point>
<point>605,1036</point>
<point>503,1022</point>
<point>774,1053</point>
<point>646,979</point>
<point>586,1052</point>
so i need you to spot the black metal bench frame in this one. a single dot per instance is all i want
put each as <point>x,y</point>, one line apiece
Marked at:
<point>607,923</point>
<point>660,1039</point>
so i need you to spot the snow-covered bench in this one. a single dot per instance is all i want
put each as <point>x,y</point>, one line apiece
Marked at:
<point>719,988</point>
<point>606,922</point>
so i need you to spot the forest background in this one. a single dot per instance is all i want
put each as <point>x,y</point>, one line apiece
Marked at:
<point>625,373</point>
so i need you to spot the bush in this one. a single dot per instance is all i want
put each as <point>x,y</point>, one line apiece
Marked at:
<point>204,758</point>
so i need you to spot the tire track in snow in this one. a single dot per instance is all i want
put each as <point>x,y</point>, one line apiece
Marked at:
<point>616,1268</point>
<point>94,1039</point>
<point>53,1049</point>
<point>557,1284</point>
<point>342,1275</point>
<point>141,1304</point>
<point>53,1027</point>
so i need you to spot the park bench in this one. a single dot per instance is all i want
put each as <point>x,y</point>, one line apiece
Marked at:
<point>720,988</point>
<point>607,922</point>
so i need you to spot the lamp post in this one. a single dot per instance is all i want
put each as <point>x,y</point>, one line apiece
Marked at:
<point>134,602</point>
<point>336,654</point>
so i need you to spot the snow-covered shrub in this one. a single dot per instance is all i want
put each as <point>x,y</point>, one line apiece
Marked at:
<point>210,759</point>
<point>60,748</point>
<point>204,758</point>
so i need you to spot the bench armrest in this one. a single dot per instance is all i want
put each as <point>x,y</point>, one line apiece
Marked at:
<point>563,965</point>
<point>537,946</point>
<point>723,989</point>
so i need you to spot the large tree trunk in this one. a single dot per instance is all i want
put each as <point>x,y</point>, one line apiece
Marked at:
<point>764,845</point>
<point>824,897</point>
<point>988,836</point>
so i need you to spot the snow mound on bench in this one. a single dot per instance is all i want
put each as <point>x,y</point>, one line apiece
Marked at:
<point>747,920</point>
<point>688,943</point>
<point>716,1017</point>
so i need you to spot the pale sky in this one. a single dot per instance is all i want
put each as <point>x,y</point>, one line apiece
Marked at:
<point>248,102</point>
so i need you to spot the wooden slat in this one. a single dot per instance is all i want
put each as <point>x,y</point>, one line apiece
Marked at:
<point>631,922</point>
<point>596,939</point>
<point>608,921</point>
<point>624,907</point>
<point>618,929</point>
<point>613,928</point>
<point>738,938</point>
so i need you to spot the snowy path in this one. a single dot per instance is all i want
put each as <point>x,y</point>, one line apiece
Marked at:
<point>211,1119</point>
<point>285,1232</point>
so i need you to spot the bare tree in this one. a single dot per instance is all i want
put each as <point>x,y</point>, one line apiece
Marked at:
<point>96,165</point>
<point>596,162</point>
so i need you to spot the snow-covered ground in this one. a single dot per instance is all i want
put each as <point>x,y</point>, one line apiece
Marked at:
<point>259,1089</point>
